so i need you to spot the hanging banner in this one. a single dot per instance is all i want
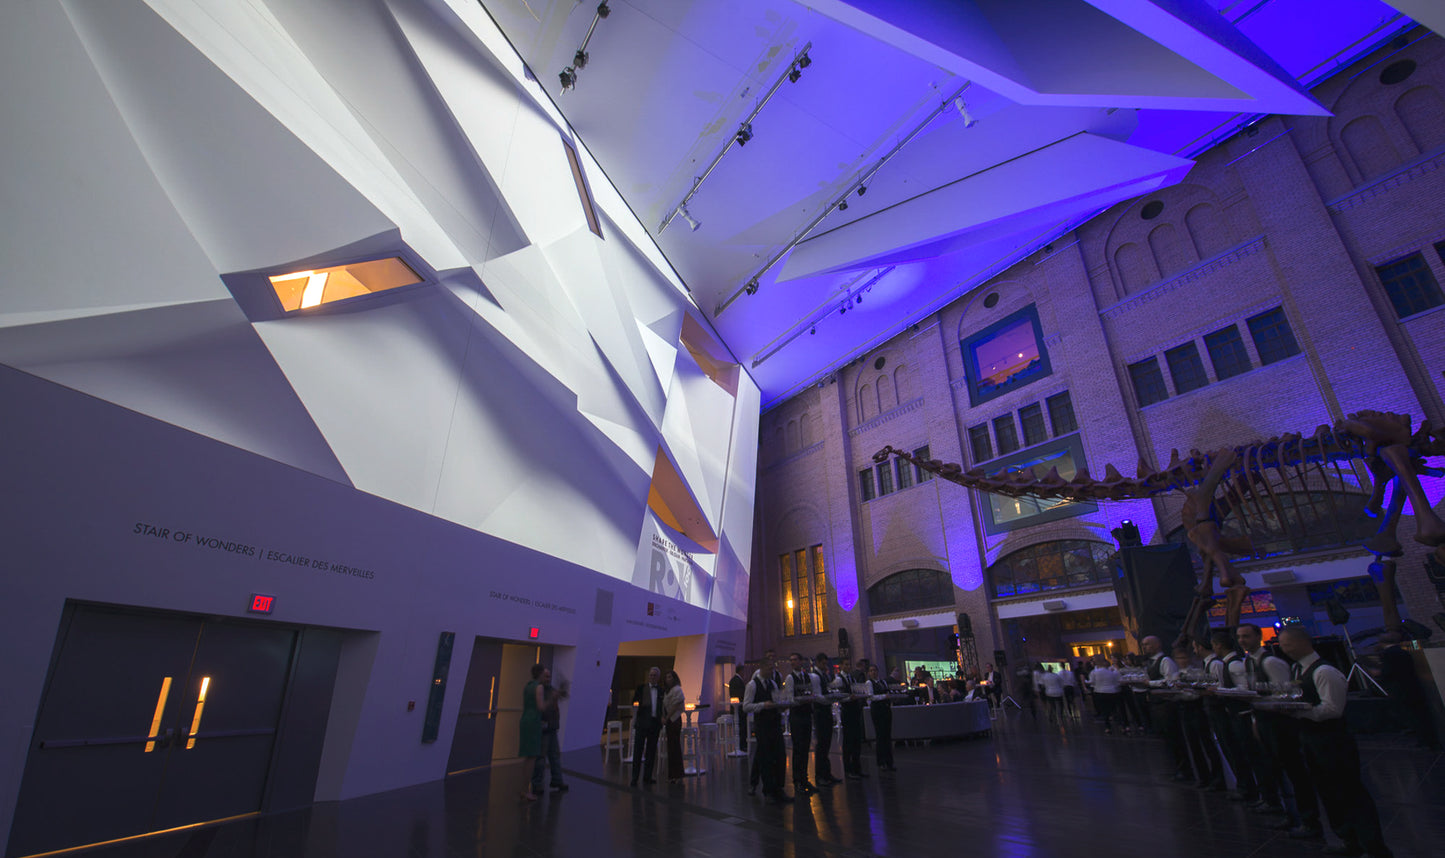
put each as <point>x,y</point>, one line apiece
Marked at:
<point>665,565</point>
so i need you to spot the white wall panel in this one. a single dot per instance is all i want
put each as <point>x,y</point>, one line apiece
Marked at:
<point>86,226</point>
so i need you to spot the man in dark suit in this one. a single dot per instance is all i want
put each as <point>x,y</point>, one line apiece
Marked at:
<point>993,687</point>
<point>881,708</point>
<point>736,687</point>
<point>647,723</point>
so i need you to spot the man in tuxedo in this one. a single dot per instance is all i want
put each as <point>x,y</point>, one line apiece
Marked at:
<point>993,688</point>
<point>736,687</point>
<point>798,689</point>
<point>881,708</point>
<point>823,723</point>
<point>852,719</point>
<point>762,700</point>
<point>647,723</point>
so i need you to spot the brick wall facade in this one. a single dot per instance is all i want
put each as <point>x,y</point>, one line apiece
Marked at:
<point>1295,213</point>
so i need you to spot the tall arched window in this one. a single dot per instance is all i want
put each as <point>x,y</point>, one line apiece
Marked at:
<point>867,403</point>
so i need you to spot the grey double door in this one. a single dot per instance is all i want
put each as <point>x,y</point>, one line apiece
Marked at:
<point>150,721</point>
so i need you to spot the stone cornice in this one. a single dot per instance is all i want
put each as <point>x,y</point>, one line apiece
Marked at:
<point>911,405</point>
<point>1403,176</point>
<point>1189,275</point>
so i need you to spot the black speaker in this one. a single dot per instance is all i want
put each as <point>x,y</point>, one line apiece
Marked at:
<point>1155,587</point>
<point>1339,614</point>
<point>965,626</point>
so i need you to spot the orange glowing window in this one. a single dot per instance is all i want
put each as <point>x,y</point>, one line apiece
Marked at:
<point>301,290</point>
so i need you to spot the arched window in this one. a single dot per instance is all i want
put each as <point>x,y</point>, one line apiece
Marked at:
<point>867,403</point>
<point>1369,147</point>
<point>1207,230</point>
<point>886,400</point>
<point>1422,112</point>
<point>1168,250</point>
<point>1058,565</point>
<point>913,590</point>
<point>903,383</point>
<point>805,429</point>
<point>1135,271</point>
<point>792,436</point>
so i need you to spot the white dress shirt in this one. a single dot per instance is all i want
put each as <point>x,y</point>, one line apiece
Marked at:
<point>1052,683</point>
<point>1332,686</point>
<point>1274,668</point>
<point>750,703</point>
<point>1105,680</point>
<point>1168,669</point>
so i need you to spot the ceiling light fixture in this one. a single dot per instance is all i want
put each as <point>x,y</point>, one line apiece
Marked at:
<point>568,76</point>
<point>752,287</point>
<point>862,189</point>
<point>866,176</point>
<point>843,204</point>
<point>968,118</point>
<point>809,322</point>
<point>794,74</point>
<point>743,135</point>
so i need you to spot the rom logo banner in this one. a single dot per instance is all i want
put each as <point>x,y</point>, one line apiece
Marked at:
<point>665,565</point>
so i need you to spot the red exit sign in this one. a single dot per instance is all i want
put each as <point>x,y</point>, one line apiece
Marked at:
<point>261,604</point>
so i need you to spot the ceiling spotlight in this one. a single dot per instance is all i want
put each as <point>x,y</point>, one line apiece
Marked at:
<point>794,73</point>
<point>686,215</point>
<point>602,10</point>
<point>745,133</point>
<point>862,189</point>
<point>859,298</point>
<point>579,59</point>
<point>568,78</point>
<point>968,119</point>
<point>842,308</point>
<point>804,61</point>
<point>814,331</point>
<point>843,204</point>
<point>752,287</point>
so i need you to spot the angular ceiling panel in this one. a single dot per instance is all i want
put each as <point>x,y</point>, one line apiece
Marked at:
<point>1084,166</point>
<point>1177,54</point>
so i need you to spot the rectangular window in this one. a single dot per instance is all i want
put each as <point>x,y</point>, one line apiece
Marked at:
<point>1007,435</point>
<point>1410,285</point>
<point>904,472</point>
<point>979,443</point>
<point>1061,413</point>
<point>1002,513</point>
<point>820,592</point>
<point>301,290</point>
<point>865,484</point>
<point>923,455</point>
<point>786,573</point>
<point>885,480</point>
<point>1186,368</point>
<point>1226,352</point>
<point>1273,338</point>
<point>1031,418</point>
<point>1005,356</point>
<point>1148,382</point>
<point>583,192</point>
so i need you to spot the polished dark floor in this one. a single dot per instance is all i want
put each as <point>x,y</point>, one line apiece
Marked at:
<point>1028,790</point>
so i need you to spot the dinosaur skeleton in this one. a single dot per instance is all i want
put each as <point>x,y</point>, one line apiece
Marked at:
<point>1234,497</point>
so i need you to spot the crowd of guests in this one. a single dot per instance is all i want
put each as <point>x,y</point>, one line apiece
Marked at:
<point>1287,761</point>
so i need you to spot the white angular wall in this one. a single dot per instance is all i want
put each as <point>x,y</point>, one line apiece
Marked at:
<point>484,438</point>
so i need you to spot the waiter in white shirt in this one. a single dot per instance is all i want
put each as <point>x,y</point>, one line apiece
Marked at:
<point>1229,716</point>
<point>1330,752</point>
<point>1164,712</point>
<point>798,689</point>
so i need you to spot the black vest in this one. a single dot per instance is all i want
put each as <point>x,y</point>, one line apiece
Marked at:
<point>878,686</point>
<point>1153,669</point>
<point>763,693</point>
<point>1227,679</point>
<point>802,685</point>
<point>1310,693</point>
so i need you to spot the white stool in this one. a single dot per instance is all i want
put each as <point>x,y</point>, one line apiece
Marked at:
<point>708,736</point>
<point>613,739</point>
<point>631,748</point>
<point>727,730</point>
<point>689,752</point>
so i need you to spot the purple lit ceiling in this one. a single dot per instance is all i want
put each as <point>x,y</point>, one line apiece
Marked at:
<point>1064,107</point>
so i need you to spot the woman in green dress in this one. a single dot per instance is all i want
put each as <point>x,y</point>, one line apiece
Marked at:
<point>529,744</point>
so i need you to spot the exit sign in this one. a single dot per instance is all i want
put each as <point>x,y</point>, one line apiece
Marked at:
<point>261,604</point>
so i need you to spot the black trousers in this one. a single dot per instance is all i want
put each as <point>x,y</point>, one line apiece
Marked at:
<point>1225,718</point>
<point>822,741</point>
<point>1257,735</point>
<point>771,758</point>
<point>644,759</point>
<point>800,724</point>
<point>1106,705</point>
<point>1164,715</point>
<point>1333,758</point>
<point>1287,751</point>
<point>883,733</point>
<point>852,738</point>
<point>1200,741</point>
